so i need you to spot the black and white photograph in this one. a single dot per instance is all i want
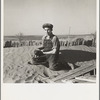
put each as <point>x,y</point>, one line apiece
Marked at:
<point>49,42</point>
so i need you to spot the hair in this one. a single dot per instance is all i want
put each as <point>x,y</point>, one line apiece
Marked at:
<point>48,25</point>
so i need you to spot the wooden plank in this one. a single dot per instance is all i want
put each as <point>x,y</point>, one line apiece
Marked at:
<point>86,79</point>
<point>75,81</point>
<point>73,73</point>
<point>80,81</point>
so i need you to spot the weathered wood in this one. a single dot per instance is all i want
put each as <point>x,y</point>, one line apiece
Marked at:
<point>73,73</point>
<point>88,79</point>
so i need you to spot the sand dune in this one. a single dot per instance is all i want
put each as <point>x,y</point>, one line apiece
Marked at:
<point>17,70</point>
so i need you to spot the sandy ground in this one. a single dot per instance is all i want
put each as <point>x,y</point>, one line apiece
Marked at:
<point>17,70</point>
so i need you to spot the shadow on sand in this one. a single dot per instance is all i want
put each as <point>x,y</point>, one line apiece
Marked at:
<point>73,56</point>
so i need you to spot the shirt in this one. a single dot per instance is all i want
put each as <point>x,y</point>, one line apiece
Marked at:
<point>50,43</point>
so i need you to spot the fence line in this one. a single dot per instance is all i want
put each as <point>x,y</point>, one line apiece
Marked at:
<point>63,42</point>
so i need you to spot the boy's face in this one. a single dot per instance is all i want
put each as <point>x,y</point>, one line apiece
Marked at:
<point>48,31</point>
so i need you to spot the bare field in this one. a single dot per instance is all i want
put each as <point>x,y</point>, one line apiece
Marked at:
<point>17,70</point>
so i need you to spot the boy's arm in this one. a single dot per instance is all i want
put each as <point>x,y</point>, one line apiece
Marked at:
<point>50,52</point>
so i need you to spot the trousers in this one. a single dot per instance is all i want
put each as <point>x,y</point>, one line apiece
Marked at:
<point>52,62</point>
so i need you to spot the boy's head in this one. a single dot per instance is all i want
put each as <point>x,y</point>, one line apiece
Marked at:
<point>48,28</point>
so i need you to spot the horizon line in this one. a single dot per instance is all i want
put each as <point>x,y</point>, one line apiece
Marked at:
<point>57,35</point>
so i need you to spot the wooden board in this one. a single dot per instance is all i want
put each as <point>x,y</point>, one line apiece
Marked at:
<point>73,73</point>
<point>88,79</point>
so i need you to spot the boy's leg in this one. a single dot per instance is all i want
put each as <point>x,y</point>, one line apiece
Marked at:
<point>39,60</point>
<point>56,65</point>
<point>53,62</point>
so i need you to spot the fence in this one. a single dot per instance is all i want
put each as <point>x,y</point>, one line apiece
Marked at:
<point>63,42</point>
<point>78,42</point>
<point>23,43</point>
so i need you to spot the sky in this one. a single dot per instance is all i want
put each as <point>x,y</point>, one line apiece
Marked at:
<point>67,16</point>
